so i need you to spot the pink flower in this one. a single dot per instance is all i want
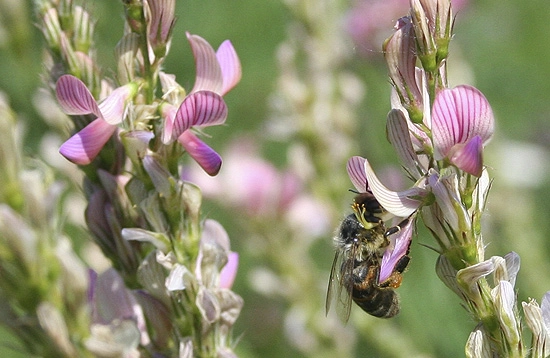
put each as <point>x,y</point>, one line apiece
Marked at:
<point>229,271</point>
<point>161,23</point>
<point>217,73</point>
<point>401,204</point>
<point>75,99</point>
<point>462,123</point>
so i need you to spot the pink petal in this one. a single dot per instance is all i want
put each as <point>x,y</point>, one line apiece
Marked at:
<point>468,157</point>
<point>203,108</point>
<point>205,156</point>
<point>460,114</point>
<point>229,271</point>
<point>114,105</point>
<point>162,20</point>
<point>230,66</point>
<point>168,112</point>
<point>445,190</point>
<point>400,203</point>
<point>209,74</point>
<point>74,97</point>
<point>85,145</point>
<point>356,172</point>
<point>400,248</point>
<point>400,137</point>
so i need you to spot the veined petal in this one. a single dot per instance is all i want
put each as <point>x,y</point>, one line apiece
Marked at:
<point>162,20</point>
<point>468,277</point>
<point>209,74</point>
<point>168,112</point>
<point>460,114</point>
<point>400,54</point>
<point>356,172</point>
<point>85,145</point>
<point>400,203</point>
<point>394,253</point>
<point>114,105</point>
<point>400,138</point>
<point>159,175</point>
<point>205,156</point>
<point>74,97</point>
<point>512,266</point>
<point>468,157</point>
<point>504,298</point>
<point>446,194</point>
<point>173,93</point>
<point>204,108</point>
<point>229,65</point>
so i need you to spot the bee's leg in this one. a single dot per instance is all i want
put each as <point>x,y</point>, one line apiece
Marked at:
<point>395,229</point>
<point>394,281</point>
<point>402,264</point>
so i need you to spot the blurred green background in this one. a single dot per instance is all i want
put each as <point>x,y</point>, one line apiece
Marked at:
<point>506,49</point>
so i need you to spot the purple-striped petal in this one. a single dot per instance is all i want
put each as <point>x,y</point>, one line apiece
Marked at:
<point>203,108</point>
<point>162,20</point>
<point>74,97</point>
<point>445,190</point>
<point>230,66</point>
<point>398,249</point>
<point>460,114</point>
<point>85,145</point>
<point>205,156</point>
<point>399,204</point>
<point>468,157</point>
<point>229,271</point>
<point>209,74</point>
<point>114,105</point>
<point>356,172</point>
<point>400,137</point>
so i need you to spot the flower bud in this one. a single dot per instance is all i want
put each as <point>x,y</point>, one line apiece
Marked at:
<point>504,299</point>
<point>125,53</point>
<point>433,23</point>
<point>84,30</point>
<point>400,55</point>
<point>478,344</point>
<point>160,25</point>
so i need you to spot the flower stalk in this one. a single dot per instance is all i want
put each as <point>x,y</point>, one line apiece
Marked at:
<point>440,134</point>
<point>173,269</point>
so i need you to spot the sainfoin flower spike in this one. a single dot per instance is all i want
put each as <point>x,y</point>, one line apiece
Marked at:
<point>75,99</point>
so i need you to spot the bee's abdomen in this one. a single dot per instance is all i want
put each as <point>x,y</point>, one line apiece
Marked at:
<point>379,302</point>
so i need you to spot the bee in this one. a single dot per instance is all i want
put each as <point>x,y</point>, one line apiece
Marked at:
<point>361,241</point>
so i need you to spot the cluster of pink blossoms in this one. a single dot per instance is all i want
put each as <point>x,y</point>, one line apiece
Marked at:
<point>216,74</point>
<point>438,133</point>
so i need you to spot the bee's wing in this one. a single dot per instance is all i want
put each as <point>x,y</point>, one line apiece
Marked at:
<point>332,282</point>
<point>340,286</point>
<point>345,287</point>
